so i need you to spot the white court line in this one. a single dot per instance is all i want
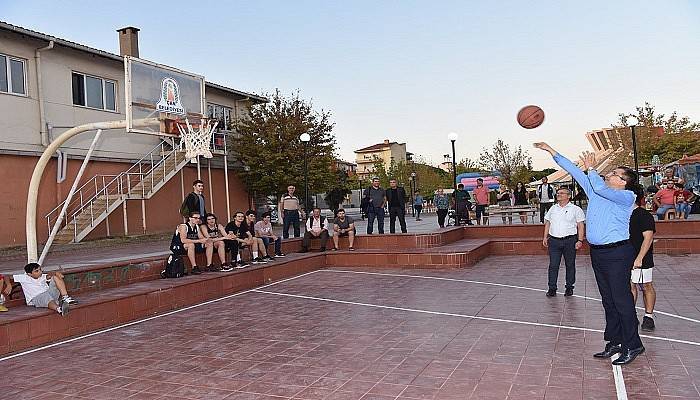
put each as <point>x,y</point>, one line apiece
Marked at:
<point>512,321</point>
<point>491,284</point>
<point>619,382</point>
<point>48,346</point>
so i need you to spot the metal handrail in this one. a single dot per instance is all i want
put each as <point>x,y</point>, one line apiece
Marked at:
<point>116,185</point>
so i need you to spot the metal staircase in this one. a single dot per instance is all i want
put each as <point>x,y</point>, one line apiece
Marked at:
<point>99,196</point>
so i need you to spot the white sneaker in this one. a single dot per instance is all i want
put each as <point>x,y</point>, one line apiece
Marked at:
<point>69,300</point>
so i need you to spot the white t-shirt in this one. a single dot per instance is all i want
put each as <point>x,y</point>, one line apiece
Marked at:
<point>563,220</point>
<point>30,286</point>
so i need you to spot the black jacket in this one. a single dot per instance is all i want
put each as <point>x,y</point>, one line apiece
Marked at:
<point>401,194</point>
<point>191,204</point>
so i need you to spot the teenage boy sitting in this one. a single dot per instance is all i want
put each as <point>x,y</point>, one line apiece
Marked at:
<point>44,291</point>
<point>5,291</point>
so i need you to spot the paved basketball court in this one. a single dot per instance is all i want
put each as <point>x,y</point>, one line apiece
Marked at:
<point>483,332</point>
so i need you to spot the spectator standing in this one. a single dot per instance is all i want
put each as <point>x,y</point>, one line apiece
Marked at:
<point>343,226</point>
<point>520,195</point>
<point>194,201</point>
<point>545,195</point>
<point>396,197</point>
<point>289,212</point>
<point>610,204</point>
<point>665,199</point>
<point>316,228</point>
<point>442,204</point>
<point>481,196</point>
<point>642,230</point>
<point>417,204</point>
<point>462,204</point>
<point>563,235</point>
<point>216,234</point>
<point>671,176</point>
<point>375,209</point>
<point>504,199</point>
<point>44,290</point>
<point>682,199</point>
<point>263,230</point>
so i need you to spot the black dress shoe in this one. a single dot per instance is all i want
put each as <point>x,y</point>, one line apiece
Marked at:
<point>610,350</point>
<point>569,292</point>
<point>551,293</point>
<point>628,355</point>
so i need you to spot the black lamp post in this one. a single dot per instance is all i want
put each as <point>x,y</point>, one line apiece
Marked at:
<point>305,138</point>
<point>247,183</point>
<point>413,193</point>
<point>632,122</point>
<point>453,138</point>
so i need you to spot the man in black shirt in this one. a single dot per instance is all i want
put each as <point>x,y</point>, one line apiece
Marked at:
<point>642,230</point>
<point>241,238</point>
<point>396,196</point>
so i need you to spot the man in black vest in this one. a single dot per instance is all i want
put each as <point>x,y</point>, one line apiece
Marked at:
<point>545,194</point>
<point>396,196</point>
<point>315,229</point>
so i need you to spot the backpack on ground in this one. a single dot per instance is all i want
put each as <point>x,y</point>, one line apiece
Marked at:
<point>174,267</point>
<point>176,245</point>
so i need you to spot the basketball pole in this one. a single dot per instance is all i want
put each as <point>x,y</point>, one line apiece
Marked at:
<point>33,192</point>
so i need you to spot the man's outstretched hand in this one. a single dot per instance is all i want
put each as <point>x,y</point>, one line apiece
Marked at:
<point>588,159</point>
<point>544,146</point>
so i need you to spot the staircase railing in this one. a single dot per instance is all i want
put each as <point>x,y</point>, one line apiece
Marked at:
<point>104,188</point>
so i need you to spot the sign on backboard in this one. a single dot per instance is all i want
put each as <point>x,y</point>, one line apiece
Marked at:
<point>155,90</point>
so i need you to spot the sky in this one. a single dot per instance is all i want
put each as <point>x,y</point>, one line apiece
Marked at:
<point>414,71</point>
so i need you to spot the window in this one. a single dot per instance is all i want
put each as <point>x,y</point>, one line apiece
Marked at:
<point>93,92</point>
<point>222,114</point>
<point>12,78</point>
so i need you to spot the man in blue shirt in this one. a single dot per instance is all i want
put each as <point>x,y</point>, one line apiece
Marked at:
<point>610,204</point>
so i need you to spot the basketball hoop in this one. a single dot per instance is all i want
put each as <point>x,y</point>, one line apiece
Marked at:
<point>196,139</point>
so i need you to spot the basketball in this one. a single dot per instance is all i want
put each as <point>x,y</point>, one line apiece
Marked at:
<point>530,117</point>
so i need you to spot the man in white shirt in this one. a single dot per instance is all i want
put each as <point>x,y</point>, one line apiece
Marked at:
<point>545,194</point>
<point>563,235</point>
<point>316,228</point>
<point>44,291</point>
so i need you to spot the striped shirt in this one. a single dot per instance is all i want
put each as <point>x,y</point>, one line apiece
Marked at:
<point>609,210</point>
<point>290,202</point>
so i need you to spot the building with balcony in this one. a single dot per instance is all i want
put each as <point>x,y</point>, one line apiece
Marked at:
<point>386,152</point>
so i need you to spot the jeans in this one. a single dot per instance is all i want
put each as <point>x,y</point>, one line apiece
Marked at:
<point>442,213</point>
<point>418,208</point>
<point>397,212</point>
<point>480,211</point>
<point>372,213</point>
<point>683,210</point>
<point>544,207</point>
<point>558,247</point>
<point>662,210</point>
<point>291,217</point>
<point>613,271</point>
<point>278,244</point>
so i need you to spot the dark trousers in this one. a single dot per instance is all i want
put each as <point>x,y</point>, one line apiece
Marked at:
<point>442,213</point>
<point>613,270</point>
<point>544,207</point>
<point>308,236</point>
<point>397,212</point>
<point>562,247</point>
<point>372,214</point>
<point>480,211</point>
<point>291,217</point>
<point>418,209</point>
<point>278,243</point>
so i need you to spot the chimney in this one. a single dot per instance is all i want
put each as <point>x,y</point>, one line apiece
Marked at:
<point>129,41</point>
<point>386,141</point>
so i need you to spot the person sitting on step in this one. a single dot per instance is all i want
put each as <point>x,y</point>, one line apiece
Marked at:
<point>316,228</point>
<point>260,250</point>
<point>263,230</point>
<point>193,240</point>
<point>5,291</point>
<point>44,290</point>
<point>217,234</point>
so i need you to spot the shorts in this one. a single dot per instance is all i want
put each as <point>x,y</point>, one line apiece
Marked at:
<point>641,275</point>
<point>43,299</point>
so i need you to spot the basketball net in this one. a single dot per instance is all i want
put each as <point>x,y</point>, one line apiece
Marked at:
<point>197,141</point>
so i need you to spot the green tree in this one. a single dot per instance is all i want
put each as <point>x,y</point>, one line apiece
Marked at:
<point>269,145</point>
<point>468,165</point>
<point>514,165</point>
<point>680,136</point>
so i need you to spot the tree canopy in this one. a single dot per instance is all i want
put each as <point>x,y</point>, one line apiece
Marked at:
<point>269,145</point>
<point>515,165</point>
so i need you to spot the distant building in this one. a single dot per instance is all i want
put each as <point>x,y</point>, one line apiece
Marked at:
<point>349,167</point>
<point>385,152</point>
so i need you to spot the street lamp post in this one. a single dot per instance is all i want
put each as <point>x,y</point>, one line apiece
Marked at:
<point>305,138</point>
<point>632,122</point>
<point>247,183</point>
<point>413,193</point>
<point>453,138</point>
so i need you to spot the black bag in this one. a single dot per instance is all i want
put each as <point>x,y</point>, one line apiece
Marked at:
<point>176,245</point>
<point>364,203</point>
<point>174,267</point>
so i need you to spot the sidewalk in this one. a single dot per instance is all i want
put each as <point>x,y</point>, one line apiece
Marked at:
<point>120,249</point>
